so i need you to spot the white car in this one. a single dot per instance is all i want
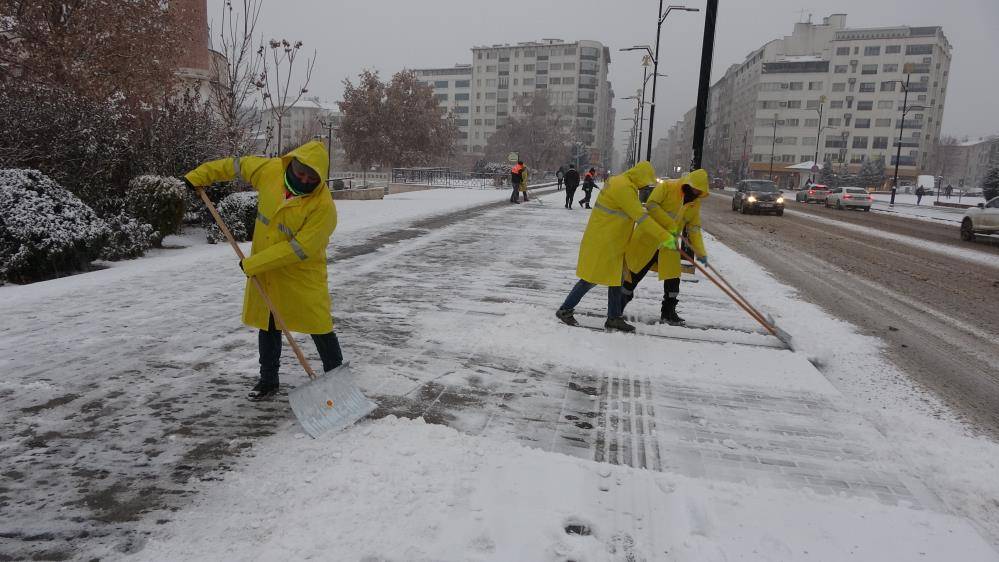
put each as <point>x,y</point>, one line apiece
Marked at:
<point>983,219</point>
<point>849,197</point>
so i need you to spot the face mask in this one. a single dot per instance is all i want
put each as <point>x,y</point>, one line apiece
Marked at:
<point>689,194</point>
<point>296,187</point>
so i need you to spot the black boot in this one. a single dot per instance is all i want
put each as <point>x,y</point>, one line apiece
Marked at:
<point>263,391</point>
<point>669,315</point>
<point>565,315</point>
<point>618,324</point>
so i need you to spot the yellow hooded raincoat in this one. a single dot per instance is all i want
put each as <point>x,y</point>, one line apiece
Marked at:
<point>665,205</point>
<point>612,224</point>
<point>289,238</point>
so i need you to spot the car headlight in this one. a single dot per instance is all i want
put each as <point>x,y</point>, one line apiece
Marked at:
<point>751,199</point>
<point>780,200</point>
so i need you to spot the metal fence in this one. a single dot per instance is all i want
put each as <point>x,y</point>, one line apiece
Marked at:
<point>446,177</point>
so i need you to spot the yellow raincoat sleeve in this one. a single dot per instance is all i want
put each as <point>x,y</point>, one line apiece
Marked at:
<point>226,169</point>
<point>694,231</point>
<point>656,211</point>
<point>632,207</point>
<point>307,243</point>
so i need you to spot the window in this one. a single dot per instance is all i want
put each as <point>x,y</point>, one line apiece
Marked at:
<point>886,104</point>
<point>569,66</point>
<point>787,140</point>
<point>882,122</point>
<point>479,55</point>
<point>528,52</point>
<point>815,85</point>
<point>796,85</point>
<point>440,97</point>
<point>568,80</point>
<point>869,69</point>
<point>811,122</point>
<point>872,51</point>
<point>880,142</point>
<point>889,68</point>
<point>528,81</point>
<point>834,122</point>
<point>888,86</point>
<point>491,54</point>
<point>491,122</point>
<point>862,123</point>
<point>528,68</point>
<point>772,86</point>
<point>842,51</point>
<point>491,68</point>
<point>490,82</point>
<point>836,104</point>
<point>462,83</point>
<point>865,105</point>
<point>839,87</point>
<point>762,139</point>
<point>790,122</point>
<point>569,51</point>
<point>867,86</point>
<point>490,95</point>
<point>893,49</point>
<point>834,142</point>
<point>757,158</point>
<point>441,84</point>
<point>461,109</point>
<point>463,97</point>
<point>812,104</point>
<point>794,104</point>
<point>555,80</point>
<point>490,109</point>
<point>839,69</point>
<point>768,104</point>
<point>478,121</point>
<point>919,49</point>
<point>787,158</point>
<point>859,142</point>
<point>589,52</point>
<point>808,141</point>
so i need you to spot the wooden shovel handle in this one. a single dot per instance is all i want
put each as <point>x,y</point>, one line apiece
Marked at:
<point>278,320</point>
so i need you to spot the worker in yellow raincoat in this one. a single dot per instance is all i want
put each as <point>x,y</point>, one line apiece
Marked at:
<point>675,205</point>
<point>617,218</point>
<point>296,217</point>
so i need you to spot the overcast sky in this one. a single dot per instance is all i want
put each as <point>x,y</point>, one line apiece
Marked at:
<point>387,36</point>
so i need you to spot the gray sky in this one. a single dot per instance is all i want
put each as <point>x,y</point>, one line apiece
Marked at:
<point>387,36</point>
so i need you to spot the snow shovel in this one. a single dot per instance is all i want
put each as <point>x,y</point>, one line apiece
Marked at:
<point>781,335</point>
<point>326,403</point>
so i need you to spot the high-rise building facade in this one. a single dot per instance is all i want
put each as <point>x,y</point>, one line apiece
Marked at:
<point>573,75</point>
<point>835,94</point>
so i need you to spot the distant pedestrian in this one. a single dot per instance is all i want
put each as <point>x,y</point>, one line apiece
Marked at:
<point>516,179</point>
<point>588,184</point>
<point>560,176</point>
<point>919,194</point>
<point>949,190</point>
<point>571,183</point>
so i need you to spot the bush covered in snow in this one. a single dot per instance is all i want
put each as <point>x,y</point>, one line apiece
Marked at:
<point>44,229</point>
<point>158,201</point>
<point>239,211</point>
<point>129,238</point>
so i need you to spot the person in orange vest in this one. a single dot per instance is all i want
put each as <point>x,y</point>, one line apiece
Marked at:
<point>589,182</point>
<point>518,177</point>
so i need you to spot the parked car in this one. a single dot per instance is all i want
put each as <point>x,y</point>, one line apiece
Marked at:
<point>758,196</point>
<point>718,183</point>
<point>816,193</point>
<point>849,197</point>
<point>983,219</point>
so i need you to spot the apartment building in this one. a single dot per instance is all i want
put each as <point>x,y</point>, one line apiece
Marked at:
<point>834,94</point>
<point>453,89</point>
<point>572,74</point>
<point>302,122</point>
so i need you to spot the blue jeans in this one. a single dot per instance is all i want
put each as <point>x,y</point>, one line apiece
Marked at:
<point>614,303</point>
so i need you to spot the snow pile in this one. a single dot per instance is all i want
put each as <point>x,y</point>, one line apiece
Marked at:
<point>129,237</point>
<point>44,229</point>
<point>158,201</point>
<point>239,211</point>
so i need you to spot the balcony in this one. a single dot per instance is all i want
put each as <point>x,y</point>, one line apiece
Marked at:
<point>904,161</point>
<point>912,125</point>
<point>906,143</point>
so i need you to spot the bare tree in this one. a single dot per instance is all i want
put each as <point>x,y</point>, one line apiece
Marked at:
<point>232,93</point>
<point>276,90</point>
<point>949,162</point>
<point>539,136</point>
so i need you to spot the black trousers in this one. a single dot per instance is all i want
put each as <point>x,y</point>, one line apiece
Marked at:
<point>570,192</point>
<point>269,341</point>
<point>671,287</point>
<point>515,196</point>
<point>586,198</point>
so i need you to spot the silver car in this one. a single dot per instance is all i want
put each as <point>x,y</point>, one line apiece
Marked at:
<point>849,197</point>
<point>983,219</point>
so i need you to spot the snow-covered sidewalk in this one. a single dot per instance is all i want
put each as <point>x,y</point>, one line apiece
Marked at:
<point>568,444</point>
<point>545,442</point>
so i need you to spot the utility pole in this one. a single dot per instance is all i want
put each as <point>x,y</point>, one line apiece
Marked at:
<point>818,137</point>
<point>901,127</point>
<point>773,147</point>
<point>707,52</point>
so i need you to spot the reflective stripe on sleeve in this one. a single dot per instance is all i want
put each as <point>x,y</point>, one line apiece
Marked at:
<point>262,218</point>
<point>285,230</point>
<point>298,249</point>
<point>641,219</point>
<point>611,211</point>
<point>235,166</point>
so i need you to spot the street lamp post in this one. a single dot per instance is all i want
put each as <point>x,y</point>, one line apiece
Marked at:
<point>818,137</point>
<point>655,63</point>
<point>328,124</point>
<point>773,147</point>
<point>901,127</point>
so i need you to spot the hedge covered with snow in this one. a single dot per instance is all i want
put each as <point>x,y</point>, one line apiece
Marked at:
<point>44,229</point>
<point>129,237</point>
<point>239,211</point>
<point>159,201</point>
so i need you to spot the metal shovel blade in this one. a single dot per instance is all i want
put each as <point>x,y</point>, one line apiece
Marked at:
<point>783,336</point>
<point>330,402</point>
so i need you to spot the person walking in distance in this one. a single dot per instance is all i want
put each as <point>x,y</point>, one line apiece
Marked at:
<point>589,182</point>
<point>617,218</point>
<point>516,179</point>
<point>296,217</point>
<point>560,176</point>
<point>919,194</point>
<point>676,206</point>
<point>571,183</point>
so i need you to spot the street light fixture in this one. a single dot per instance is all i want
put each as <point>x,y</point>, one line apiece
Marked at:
<point>773,147</point>
<point>818,138</point>
<point>907,69</point>
<point>654,56</point>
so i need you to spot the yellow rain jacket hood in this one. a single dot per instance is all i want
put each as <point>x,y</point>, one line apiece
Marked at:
<point>612,223</point>
<point>289,238</point>
<point>665,205</point>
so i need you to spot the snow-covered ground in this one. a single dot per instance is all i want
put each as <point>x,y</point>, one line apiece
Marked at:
<point>547,442</point>
<point>905,205</point>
